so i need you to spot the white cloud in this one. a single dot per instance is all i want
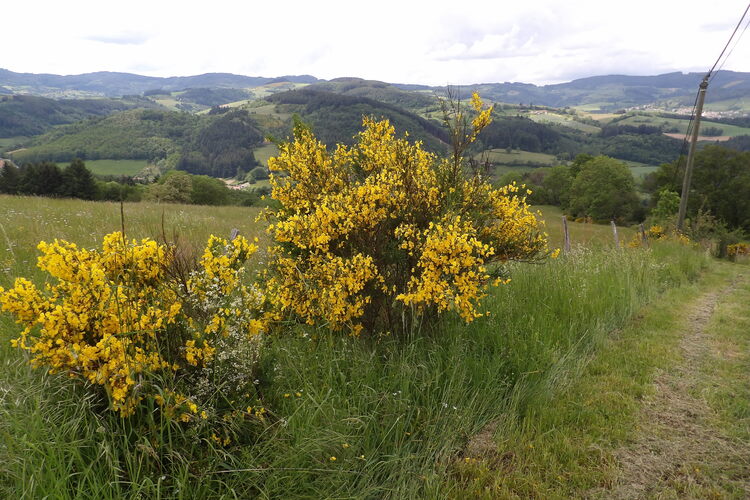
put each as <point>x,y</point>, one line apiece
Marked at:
<point>121,38</point>
<point>415,42</point>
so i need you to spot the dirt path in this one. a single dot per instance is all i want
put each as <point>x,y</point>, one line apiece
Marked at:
<point>677,441</point>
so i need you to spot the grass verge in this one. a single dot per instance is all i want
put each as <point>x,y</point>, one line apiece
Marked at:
<point>565,445</point>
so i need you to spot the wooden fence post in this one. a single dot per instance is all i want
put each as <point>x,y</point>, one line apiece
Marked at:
<point>233,234</point>
<point>644,238</point>
<point>614,232</point>
<point>566,234</point>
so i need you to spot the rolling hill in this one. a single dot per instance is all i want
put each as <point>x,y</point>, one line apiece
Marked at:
<point>379,91</point>
<point>26,115</point>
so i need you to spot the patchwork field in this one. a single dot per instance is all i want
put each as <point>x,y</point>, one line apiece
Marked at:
<point>681,125</point>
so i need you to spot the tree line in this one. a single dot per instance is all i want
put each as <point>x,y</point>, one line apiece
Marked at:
<point>602,188</point>
<point>77,181</point>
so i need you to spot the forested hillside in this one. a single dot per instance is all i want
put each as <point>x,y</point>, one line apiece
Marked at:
<point>379,91</point>
<point>338,118</point>
<point>26,115</point>
<point>216,145</point>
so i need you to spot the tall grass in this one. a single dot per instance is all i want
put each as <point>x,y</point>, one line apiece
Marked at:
<point>27,220</point>
<point>410,405</point>
<point>380,417</point>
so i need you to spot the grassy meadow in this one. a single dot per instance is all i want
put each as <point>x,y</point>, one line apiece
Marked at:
<point>586,235</point>
<point>640,170</point>
<point>375,417</point>
<point>517,157</point>
<point>564,120</point>
<point>6,142</point>
<point>263,153</point>
<point>25,221</point>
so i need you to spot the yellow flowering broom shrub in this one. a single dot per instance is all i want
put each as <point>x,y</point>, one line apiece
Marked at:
<point>123,320</point>
<point>384,233</point>
<point>657,232</point>
<point>738,250</point>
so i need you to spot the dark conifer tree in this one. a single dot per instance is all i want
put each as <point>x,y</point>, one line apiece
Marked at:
<point>43,179</point>
<point>79,182</point>
<point>9,178</point>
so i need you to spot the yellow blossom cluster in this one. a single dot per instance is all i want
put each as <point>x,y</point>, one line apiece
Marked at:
<point>738,249</point>
<point>364,230</point>
<point>656,232</point>
<point>450,269</point>
<point>483,116</point>
<point>659,233</point>
<point>119,316</point>
<point>221,263</point>
<point>330,287</point>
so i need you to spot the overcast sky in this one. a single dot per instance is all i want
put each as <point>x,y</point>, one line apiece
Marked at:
<point>429,42</point>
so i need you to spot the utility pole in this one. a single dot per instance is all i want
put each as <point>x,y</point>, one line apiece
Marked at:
<point>691,153</point>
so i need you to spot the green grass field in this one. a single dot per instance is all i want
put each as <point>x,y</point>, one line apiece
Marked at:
<point>115,167</point>
<point>168,101</point>
<point>517,157</point>
<point>6,142</point>
<point>641,171</point>
<point>592,107</point>
<point>268,110</point>
<point>263,153</point>
<point>25,221</point>
<point>500,170</point>
<point>600,117</point>
<point>741,104</point>
<point>264,183</point>
<point>374,417</point>
<point>587,235</point>
<point>564,120</point>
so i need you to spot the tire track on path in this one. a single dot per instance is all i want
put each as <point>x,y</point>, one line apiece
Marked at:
<point>675,438</point>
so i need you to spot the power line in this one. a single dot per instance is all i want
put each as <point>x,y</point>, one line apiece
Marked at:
<point>684,146</point>
<point>696,119</point>
<point>731,50</point>
<point>730,39</point>
<point>710,76</point>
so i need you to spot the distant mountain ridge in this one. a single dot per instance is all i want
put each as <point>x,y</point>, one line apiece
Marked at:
<point>613,92</point>
<point>604,92</point>
<point>113,84</point>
